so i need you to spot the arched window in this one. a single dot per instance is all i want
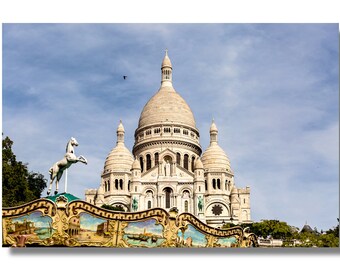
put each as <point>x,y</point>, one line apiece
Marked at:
<point>168,192</point>
<point>226,185</point>
<point>218,183</point>
<point>156,158</point>
<point>186,206</point>
<point>121,183</point>
<point>178,158</point>
<point>149,204</point>
<point>116,184</point>
<point>129,183</point>
<point>186,162</point>
<point>148,162</point>
<point>108,186</point>
<point>141,163</point>
<point>214,183</point>
<point>105,186</point>
<point>206,185</point>
<point>192,164</point>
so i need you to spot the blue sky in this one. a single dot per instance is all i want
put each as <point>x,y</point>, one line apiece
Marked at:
<point>271,88</point>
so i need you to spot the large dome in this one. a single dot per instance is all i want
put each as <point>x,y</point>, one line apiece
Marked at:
<point>166,106</point>
<point>166,119</point>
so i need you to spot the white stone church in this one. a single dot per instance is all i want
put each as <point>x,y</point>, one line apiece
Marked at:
<point>167,169</point>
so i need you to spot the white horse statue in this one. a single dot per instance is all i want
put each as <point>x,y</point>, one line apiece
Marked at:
<point>58,168</point>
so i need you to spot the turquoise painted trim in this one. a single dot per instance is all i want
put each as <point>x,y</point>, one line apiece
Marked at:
<point>68,196</point>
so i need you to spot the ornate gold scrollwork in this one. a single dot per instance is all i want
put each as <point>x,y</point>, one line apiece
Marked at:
<point>68,221</point>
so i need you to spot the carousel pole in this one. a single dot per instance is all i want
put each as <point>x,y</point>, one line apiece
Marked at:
<point>66,181</point>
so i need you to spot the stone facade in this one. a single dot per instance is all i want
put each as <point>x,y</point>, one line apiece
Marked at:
<point>167,169</point>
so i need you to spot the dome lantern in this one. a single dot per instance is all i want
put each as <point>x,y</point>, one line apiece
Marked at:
<point>120,133</point>
<point>213,133</point>
<point>166,70</point>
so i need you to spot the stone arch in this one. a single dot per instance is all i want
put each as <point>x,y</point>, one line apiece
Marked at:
<point>123,203</point>
<point>186,206</point>
<point>153,189</point>
<point>141,162</point>
<point>167,156</point>
<point>213,181</point>
<point>168,164</point>
<point>156,158</point>
<point>193,159</point>
<point>218,183</point>
<point>185,188</point>
<point>186,161</point>
<point>148,161</point>
<point>168,192</point>
<point>178,158</point>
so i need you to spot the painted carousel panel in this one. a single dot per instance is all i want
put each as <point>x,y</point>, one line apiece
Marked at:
<point>145,233</point>
<point>31,229</point>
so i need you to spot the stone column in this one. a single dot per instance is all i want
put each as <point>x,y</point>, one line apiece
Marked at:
<point>209,183</point>
<point>223,182</point>
<point>112,182</point>
<point>144,164</point>
<point>173,169</point>
<point>126,183</point>
<point>160,169</point>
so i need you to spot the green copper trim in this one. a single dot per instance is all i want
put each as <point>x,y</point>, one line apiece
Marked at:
<point>68,196</point>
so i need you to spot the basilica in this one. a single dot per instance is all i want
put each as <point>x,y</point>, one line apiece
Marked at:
<point>167,168</point>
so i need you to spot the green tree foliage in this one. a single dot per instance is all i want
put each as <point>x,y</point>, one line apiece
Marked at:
<point>281,230</point>
<point>114,208</point>
<point>334,231</point>
<point>274,228</point>
<point>18,185</point>
<point>36,183</point>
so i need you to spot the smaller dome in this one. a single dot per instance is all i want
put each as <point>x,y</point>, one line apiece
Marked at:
<point>214,158</point>
<point>120,158</point>
<point>198,164</point>
<point>136,165</point>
